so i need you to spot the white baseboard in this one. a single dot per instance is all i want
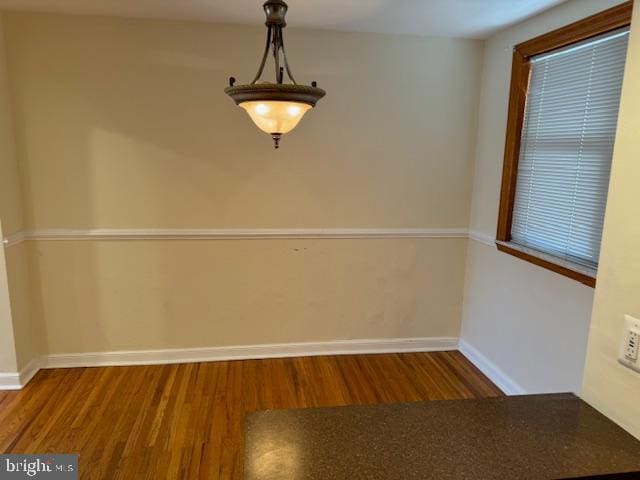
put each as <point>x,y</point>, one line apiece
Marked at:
<point>29,371</point>
<point>10,381</point>
<point>17,380</point>
<point>495,374</point>
<point>246,352</point>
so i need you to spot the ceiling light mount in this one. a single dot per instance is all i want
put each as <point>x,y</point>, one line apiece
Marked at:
<point>275,11</point>
<point>275,108</point>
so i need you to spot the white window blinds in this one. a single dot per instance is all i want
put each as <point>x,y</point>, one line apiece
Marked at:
<point>566,148</point>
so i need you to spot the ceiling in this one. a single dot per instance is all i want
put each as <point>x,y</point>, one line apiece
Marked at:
<point>448,18</point>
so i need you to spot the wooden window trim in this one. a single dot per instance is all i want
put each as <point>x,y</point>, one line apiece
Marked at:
<point>606,21</point>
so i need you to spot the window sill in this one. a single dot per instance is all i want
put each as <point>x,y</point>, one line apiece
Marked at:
<point>567,268</point>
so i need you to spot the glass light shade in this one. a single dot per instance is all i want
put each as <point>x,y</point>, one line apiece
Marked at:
<point>275,116</point>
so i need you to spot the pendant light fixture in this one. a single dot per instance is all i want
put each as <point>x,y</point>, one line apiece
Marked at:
<point>276,108</point>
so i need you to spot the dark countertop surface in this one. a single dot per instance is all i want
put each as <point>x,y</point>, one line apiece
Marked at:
<point>525,437</point>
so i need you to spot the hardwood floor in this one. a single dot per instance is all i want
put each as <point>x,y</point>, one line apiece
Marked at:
<point>186,421</point>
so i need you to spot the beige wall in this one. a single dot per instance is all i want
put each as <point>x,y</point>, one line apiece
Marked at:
<point>10,216</point>
<point>123,124</point>
<point>17,342</point>
<point>11,212</point>
<point>8,361</point>
<point>530,323</point>
<point>101,296</point>
<point>610,387</point>
<point>28,325</point>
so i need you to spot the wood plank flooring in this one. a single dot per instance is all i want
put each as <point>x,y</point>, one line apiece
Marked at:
<point>186,421</point>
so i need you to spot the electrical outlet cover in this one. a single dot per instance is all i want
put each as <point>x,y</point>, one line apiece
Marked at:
<point>630,346</point>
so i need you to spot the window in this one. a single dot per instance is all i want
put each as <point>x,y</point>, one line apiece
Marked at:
<point>563,110</point>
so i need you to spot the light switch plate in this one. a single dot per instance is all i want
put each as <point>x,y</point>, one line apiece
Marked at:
<point>630,346</point>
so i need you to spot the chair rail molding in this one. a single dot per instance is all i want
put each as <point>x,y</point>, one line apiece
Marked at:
<point>483,238</point>
<point>230,234</point>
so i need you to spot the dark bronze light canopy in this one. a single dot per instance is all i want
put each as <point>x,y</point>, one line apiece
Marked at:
<point>276,108</point>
